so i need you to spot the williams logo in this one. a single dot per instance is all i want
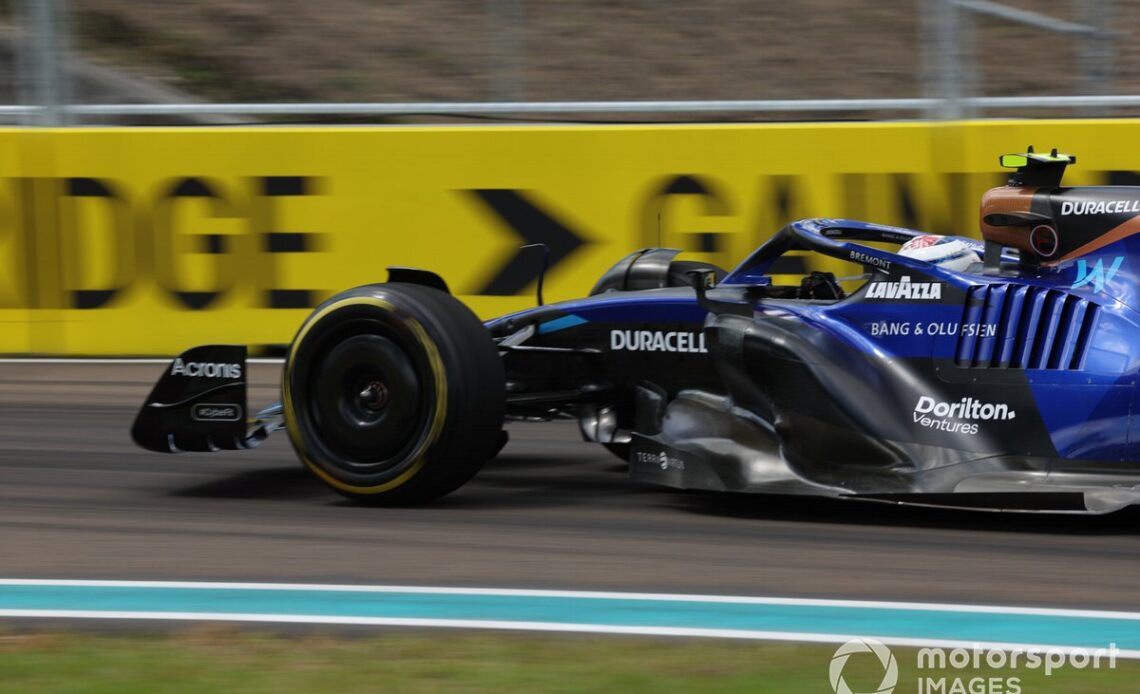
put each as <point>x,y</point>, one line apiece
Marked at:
<point>656,341</point>
<point>958,417</point>
<point>1098,276</point>
<point>205,369</point>
<point>905,289</point>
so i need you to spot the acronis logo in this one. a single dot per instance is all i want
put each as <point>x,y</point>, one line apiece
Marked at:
<point>1098,276</point>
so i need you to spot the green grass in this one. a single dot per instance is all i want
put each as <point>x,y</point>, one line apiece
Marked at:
<point>214,660</point>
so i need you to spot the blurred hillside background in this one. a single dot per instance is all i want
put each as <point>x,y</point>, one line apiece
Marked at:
<point>532,50</point>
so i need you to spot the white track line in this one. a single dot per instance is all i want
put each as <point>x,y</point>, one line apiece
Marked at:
<point>599,595</point>
<point>548,627</point>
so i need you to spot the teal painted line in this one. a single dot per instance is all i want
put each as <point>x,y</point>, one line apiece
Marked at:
<point>562,323</point>
<point>1077,631</point>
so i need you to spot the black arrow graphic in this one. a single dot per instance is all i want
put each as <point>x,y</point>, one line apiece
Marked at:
<point>533,225</point>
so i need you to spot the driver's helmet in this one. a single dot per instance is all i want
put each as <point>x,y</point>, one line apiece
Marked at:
<point>948,252</point>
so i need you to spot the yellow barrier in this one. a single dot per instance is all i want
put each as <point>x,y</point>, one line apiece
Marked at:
<point>149,240</point>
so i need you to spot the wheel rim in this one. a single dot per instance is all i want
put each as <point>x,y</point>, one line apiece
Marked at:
<point>368,403</point>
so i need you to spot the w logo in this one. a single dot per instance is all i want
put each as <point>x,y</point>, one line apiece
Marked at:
<point>1098,276</point>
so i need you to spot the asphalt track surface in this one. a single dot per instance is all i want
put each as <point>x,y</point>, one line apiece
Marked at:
<point>77,500</point>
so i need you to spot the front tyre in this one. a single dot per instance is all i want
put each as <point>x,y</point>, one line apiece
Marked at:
<point>394,393</point>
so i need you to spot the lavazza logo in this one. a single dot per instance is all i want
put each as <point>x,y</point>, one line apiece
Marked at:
<point>959,417</point>
<point>205,369</point>
<point>905,289</point>
<point>977,669</point>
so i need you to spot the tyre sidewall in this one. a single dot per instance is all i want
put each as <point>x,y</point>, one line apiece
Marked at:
<point>461,378</point>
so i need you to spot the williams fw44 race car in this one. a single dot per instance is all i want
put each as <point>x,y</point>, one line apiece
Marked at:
<point>995,374</point>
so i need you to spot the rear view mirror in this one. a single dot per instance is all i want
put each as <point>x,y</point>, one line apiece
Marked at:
<point>701,279</point>
<point>1013,161</point>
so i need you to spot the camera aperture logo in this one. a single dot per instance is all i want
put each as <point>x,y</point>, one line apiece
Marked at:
<point>854,646</point>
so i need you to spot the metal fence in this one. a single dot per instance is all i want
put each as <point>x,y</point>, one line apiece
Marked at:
<point>952,40</point>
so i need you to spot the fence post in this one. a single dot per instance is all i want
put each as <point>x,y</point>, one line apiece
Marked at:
<point>505,30</point>
<point>43,59</point>
<point>1096,50</point>
<point>942,18</point>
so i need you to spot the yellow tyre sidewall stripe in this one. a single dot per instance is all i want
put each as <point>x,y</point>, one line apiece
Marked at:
<point>438,416</point>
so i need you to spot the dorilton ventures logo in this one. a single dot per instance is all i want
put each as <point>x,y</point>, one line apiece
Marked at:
<point>854,647</point>
<point>959,417</point>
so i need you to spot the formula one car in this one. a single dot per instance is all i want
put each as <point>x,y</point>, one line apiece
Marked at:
<point>995,374</point>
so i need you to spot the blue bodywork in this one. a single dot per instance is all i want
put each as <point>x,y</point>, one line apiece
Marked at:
<point>1064,336</point>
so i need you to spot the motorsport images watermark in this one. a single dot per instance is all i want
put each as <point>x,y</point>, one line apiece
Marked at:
<point>1002,666</point>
